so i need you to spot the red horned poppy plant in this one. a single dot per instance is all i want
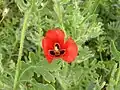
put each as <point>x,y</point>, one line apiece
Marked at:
<point>54,46</point>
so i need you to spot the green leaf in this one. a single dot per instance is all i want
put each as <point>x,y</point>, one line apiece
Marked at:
<point>40,86</point>
<point>1,67</point>
<point>65,1</point>
<point>112,78</point>
<point>27,72</point>
<point>114,51</point>
<point>91,86</point>
<point>84,54</point>
<point>41,67</point>
<point>54,66</point>
<point>34,59</point>
<point>63,82</point>
<point>6,82</point>
<point>46,74</point>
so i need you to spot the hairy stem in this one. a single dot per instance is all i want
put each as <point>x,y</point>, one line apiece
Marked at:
<point>16,80</point>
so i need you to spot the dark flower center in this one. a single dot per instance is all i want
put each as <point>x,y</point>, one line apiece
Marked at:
<point>57,51</point>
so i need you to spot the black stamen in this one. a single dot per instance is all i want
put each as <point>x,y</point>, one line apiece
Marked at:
<point>57,51</point>
<point>52,52</point>
<point>62,52</point>
<point>57,45</point>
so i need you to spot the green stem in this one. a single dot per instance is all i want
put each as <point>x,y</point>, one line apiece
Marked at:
<point>16,80</point>
<point>1,19</point>
<point>101,56</point>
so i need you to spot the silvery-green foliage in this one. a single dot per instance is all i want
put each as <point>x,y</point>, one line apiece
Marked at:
<point>84,21</point>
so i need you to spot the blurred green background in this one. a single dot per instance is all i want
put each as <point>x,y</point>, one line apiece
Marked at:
<point>93,24</point>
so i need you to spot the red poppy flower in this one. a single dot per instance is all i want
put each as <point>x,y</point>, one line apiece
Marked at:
<point>54,46</point>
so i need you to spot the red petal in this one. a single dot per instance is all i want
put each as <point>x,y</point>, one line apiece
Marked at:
<point>56,35</point>
<point>47,44</point>
<point>71,50</point>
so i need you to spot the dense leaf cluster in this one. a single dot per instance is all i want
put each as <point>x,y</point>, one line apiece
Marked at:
<point>93,24</point>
